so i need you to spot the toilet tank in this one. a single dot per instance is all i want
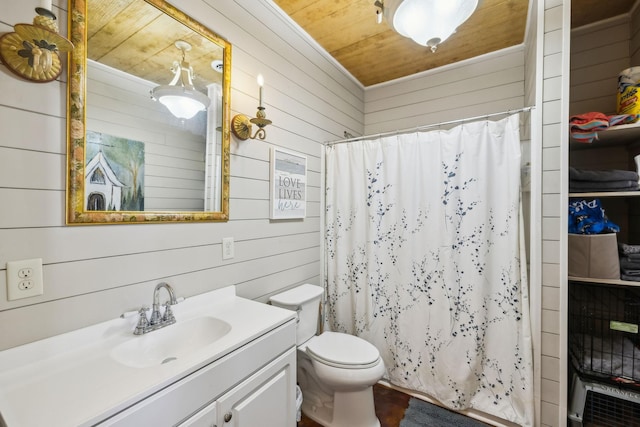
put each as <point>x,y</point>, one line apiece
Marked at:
<point>305,299</point>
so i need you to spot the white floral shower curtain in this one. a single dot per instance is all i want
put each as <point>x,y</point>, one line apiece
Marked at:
<point>424,261</point>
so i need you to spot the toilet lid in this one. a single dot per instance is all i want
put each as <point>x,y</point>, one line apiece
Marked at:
<point>343,350</point>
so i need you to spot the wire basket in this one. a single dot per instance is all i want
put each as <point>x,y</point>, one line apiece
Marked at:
<point>603,333</point>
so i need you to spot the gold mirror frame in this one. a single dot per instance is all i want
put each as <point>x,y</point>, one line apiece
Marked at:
<point>76,127</point>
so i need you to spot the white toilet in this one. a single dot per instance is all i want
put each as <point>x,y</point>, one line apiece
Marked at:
<point>336,371</point>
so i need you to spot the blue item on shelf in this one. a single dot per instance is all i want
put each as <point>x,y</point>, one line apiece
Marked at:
<point>588,217</point>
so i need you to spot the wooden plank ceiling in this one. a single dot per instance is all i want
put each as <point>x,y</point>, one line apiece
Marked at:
<point>135,37</point>
<point>374,53</point>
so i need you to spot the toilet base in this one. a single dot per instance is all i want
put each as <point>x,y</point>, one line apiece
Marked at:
<point>342,414</point>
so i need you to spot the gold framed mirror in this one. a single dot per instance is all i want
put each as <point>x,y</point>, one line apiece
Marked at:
<point>133,157</point>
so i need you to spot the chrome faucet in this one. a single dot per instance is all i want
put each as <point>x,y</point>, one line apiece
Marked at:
<point>157,320</point>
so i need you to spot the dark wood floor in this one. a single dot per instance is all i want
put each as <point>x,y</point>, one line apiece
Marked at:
<point>390,407</point>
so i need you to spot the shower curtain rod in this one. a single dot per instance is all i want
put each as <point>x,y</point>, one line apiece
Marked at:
<point>419,128</point>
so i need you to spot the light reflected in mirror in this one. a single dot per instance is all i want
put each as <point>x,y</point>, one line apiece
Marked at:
<point>129,158</point>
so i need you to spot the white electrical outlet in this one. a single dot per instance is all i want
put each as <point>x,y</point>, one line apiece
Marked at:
<point>24,278</point>
<point>228,251</point>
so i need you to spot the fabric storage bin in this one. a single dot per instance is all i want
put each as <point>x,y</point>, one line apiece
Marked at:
<point>594,256</point>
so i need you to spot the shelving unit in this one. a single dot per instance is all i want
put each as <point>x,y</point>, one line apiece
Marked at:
<point>597,305</point>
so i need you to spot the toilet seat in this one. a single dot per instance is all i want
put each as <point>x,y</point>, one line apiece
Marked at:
<point>343,351</point>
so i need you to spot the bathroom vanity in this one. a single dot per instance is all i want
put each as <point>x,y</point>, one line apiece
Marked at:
<point>227,361</point>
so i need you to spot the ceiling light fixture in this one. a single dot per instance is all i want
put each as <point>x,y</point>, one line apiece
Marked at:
<point>179,96</point>
<point>427,22</point>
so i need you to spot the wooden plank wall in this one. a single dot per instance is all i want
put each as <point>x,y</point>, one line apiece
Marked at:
<point>94,273</point>
<point>599,52</point>
<point>634,42</point>
<point>555,87</point>
<point>487,84</point>
<point>531,200</point>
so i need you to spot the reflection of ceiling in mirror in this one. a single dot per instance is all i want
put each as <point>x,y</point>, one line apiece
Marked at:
<point>135,37</point>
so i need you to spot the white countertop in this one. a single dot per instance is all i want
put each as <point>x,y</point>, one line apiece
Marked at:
<point>71,379</point>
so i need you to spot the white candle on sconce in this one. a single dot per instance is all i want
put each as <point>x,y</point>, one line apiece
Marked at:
<point>260,84</point>
<point>46,4</point>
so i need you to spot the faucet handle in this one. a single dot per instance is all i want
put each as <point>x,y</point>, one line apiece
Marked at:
<point>168,316</point>
<point>143,322</point>
<point>143,312</point>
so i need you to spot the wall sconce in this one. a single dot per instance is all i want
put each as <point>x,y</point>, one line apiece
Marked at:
<point>33,51</point>
<point>179,96</point>
<point>241,124</point>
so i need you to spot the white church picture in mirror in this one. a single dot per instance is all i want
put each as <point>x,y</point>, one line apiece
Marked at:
<point>288,184</point>
<point>114,173</point>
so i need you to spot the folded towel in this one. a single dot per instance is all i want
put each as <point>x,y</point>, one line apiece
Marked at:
<point>630,278</point>
<point>602,175</point>
<point>589,121</point>
<point>584,127</point>
<point>623,119</point>
<point>626,249</point>
<point>627,264</point>
<point>585,137</point>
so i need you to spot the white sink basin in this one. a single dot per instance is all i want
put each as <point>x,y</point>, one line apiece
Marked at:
<point>170,343</point>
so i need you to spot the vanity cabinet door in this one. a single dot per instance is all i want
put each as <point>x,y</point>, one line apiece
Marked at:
<point>265,399</point>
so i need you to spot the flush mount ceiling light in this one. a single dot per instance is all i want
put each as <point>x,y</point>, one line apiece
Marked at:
<point>427,22</point>
<point>179,96</point>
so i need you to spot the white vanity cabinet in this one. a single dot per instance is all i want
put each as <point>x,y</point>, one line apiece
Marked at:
<point>227,361</point>
<point>267,398</point>
<point>251,386</point>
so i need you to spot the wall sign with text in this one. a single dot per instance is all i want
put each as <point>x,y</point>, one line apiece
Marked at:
<point>288,184</point>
